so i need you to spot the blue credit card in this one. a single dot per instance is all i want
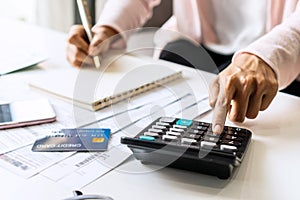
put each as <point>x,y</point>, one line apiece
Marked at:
<point>83,140</point>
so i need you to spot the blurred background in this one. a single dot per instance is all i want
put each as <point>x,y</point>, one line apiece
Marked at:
<point>55,14</point>
<point>61,14</point>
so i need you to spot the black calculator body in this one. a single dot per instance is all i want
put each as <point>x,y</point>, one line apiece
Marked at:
<point>190,145</point>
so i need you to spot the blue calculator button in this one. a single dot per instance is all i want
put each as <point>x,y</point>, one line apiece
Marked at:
<point>184,122</point>
<point>148,138</point>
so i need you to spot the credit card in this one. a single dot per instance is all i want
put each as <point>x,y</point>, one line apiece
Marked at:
<point>82,140</point>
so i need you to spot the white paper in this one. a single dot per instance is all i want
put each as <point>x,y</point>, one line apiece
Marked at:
<point>26,163</point>
<point>124,119</point>
<point>12,139</point>
<point>15,138</point>
<point>83,168</point>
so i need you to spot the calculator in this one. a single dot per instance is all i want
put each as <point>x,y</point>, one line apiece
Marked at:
<point>190,145</point>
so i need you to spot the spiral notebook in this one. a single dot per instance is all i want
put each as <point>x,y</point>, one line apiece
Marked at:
<point>122,78</point>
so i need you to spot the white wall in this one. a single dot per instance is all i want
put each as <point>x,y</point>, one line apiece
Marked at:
<point>55,14</point>
<point>17,9</point>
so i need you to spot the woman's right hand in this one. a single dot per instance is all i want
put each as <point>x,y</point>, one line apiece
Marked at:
<point>246,87</point>
<point>79,50</point>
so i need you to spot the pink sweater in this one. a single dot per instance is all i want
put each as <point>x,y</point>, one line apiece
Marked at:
<point>279,47</point>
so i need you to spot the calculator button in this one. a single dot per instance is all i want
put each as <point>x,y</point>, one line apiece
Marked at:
<point>228,147</point>
<point>194,131</point>
<point>208,144</point>
<point>193,136</point>
<point>179,126</point>
<point>163,124</point>
<point>232,132</point>
<point>235,133</point>
<point>169,137</point>
<point>240,130</point>
<point>151,134</point>
<point>203,124</point>
<point>188,141</point>
<point>184,122</point>
<point>155,130</point>
<point>233,137</point>
<point>169,120</point>
<point>232,142</point>
<point>211,139</point>
<point>199,127</point>
<point>176,130</point>
<point>237,129</point>
<point>173,133</point>
<point>211,134</point>
<point>147,138</point>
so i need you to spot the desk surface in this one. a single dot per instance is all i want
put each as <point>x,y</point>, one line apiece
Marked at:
<point>270,169</point>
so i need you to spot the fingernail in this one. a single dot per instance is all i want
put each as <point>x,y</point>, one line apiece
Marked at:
<point>217,129</point>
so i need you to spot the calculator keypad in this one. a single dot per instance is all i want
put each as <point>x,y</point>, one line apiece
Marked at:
<point>194,133</point>
<point>191,145</point>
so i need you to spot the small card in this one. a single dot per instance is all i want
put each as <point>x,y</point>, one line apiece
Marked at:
<point>82,139</point>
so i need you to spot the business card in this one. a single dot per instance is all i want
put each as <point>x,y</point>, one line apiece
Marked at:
<point>81,140</point>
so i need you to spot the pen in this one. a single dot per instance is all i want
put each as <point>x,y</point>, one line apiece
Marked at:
<point>86,22</point>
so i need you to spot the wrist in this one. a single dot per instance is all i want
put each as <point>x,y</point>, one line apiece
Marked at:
<point>252,62</point>
<point>108,31</point>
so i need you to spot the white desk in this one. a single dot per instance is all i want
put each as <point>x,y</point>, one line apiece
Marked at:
<point>270,169</point>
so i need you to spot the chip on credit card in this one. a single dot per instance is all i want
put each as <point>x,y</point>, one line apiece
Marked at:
<point>81,139</point>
